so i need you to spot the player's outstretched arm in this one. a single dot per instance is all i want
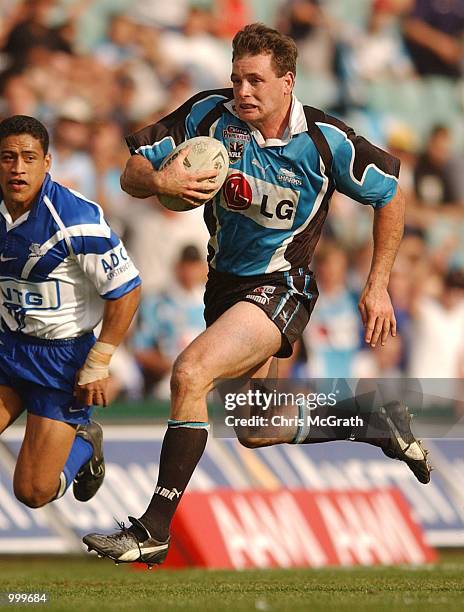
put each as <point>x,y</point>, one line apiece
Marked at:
<point>141,180</point>
<point>91,386</point>
<point>375,305</point>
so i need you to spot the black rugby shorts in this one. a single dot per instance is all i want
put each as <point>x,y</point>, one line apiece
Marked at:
<point>288,298</point>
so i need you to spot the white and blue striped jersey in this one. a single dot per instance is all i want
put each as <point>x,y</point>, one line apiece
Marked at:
<point>269,214</point>
<point>58,263</point>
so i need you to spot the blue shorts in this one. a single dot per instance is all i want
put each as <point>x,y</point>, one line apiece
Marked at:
<point>43,372</point>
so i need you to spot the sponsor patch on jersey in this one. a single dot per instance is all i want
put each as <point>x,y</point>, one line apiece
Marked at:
<point>289,177</point>
<point>25,295</point>
<point>236,138</point>
<point>270,205</point>
<point>116,262</point>
<point>237,192</point>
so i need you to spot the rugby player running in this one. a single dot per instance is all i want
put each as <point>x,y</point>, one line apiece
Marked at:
<point>286,160</point>
<point>62,269</point>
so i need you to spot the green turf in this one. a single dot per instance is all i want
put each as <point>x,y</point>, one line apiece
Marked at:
<point>85,583</point>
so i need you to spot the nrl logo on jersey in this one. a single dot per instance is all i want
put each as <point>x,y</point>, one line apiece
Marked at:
<point>35,250</point>
<point>236,138</point>
<point>290,177</point>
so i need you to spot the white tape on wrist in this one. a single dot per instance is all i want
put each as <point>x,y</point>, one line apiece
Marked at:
<point>96,366</point>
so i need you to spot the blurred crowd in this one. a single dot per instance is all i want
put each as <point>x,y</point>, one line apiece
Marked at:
<point>393,69</point>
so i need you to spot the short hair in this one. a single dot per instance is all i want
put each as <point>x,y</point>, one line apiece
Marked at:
<point>190,253</point>
<point>438,130</point>
<point>257,39</point>
<point>22,124</point>
<point>454,279</point>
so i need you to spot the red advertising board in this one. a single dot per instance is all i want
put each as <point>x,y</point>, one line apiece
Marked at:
<point>296,528</point>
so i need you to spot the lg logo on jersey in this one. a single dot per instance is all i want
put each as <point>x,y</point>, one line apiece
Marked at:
<point>238,195</point>
<point>237,192</point>
<point>283,210</point>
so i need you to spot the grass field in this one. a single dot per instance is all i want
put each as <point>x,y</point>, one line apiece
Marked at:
<point>85,583</point>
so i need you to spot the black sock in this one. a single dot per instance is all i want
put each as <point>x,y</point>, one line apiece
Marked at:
<point>183,446</point>
<point>335,423</point>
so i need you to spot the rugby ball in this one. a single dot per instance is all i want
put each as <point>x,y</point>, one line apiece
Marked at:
<point>205,154</point>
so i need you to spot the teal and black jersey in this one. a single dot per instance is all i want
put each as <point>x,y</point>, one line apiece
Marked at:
<point>269,214</point>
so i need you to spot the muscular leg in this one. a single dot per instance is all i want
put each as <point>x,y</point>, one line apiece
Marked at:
<point>292,426</point>
<point>10,406</point>
<point>41,460</point>
<point>268,436</point>
<point>241,341</point>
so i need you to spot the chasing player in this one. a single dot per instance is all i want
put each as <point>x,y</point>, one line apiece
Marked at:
<point>62,269</point>
<point>286,160</point>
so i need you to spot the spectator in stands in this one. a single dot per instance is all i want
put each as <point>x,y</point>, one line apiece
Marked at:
<point>438,210</point>
<point>17,97</point>
<point>360,265</point>
<point>151,224</point>
<point>10,15</point>
<point>433,33</point>
<point>178,90</point>
<point>118,47</point>
<point>379,363</point>
<point>72,163</point>
<point>348,223</point>
<point>432,175</point>
<point>32,31</point>
<point>402,143</point>
<point>300,18</point>
<point>166,15</point>
<point>108,156</point>
<point>305,22</point>
<point>94,83</point>
<point>144,75</point>
<point>195,50</point>
<point>378,51</point>
<point>400,290</point>
<point>170,320</point>
<point>126,379</point>
<point>230,17</point>
<point>438,347</point>
<point>334,334</point>
<point>369,50</point>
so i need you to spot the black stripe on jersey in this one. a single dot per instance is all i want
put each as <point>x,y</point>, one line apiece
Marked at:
<point>172,125</point>
<point>214,114</point>
<point>365,152</point>
<point>211,224</point>
<point>312,115</point>
<point>301,248</point>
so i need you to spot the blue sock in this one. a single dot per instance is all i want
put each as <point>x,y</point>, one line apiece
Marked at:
<point>81,452</point>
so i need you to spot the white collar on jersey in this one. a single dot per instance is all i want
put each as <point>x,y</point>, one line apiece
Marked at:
<point>9,221</point>
<point>296,125</point>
